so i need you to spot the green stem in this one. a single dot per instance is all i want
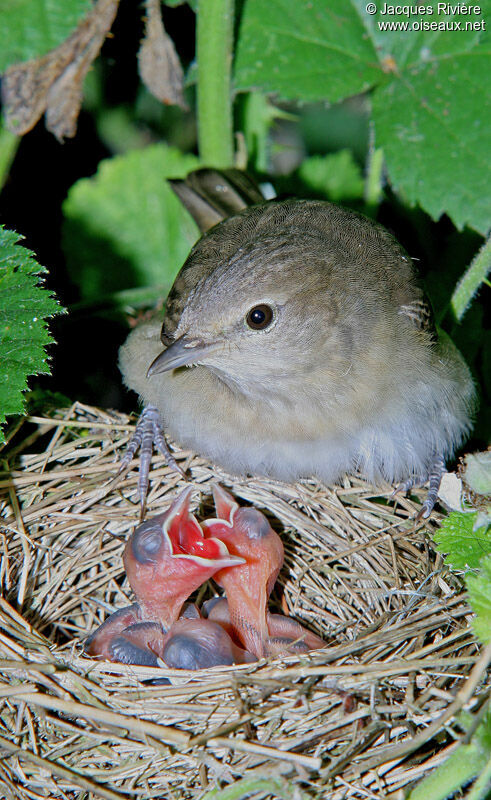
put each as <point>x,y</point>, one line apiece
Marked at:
<point>471,280</point>
<point>244,787</point>
<point>481,788</point>
<point>373,191</point>
<point>373,179</point>
<point>214,50</point>
<point>8,148</point>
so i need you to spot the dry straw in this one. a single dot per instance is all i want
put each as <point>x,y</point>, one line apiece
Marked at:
<point>364,718</point>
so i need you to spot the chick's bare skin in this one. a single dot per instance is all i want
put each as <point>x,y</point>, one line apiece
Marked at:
<point>167,558</point>
<point>348,375</point>
<point>247,534</point>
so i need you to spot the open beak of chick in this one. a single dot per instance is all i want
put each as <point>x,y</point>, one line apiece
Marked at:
<point>167,558</point>
<point>247,534</point>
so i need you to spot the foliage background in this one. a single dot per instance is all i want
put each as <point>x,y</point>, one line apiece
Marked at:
<point>322,104</point>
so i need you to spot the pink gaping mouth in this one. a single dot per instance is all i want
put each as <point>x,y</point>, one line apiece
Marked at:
<point>185,536</point>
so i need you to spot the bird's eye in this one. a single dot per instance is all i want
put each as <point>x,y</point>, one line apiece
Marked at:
<point>146,542</point>
<point>259,317</point>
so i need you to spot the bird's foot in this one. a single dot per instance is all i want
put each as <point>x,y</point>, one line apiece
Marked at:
<point>434,477</point>
<point>410,483</point>
<point>148,432</point>
<point>437,470</point>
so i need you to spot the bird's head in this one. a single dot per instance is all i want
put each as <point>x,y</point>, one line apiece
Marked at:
<point>247,533</point>
<point>167,558</point>
<point>254,303</point>
<point>199,644</point>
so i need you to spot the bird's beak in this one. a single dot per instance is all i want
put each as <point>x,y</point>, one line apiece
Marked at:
<point>182,353</point>
<point>225,507</point>
<point>186,540</point>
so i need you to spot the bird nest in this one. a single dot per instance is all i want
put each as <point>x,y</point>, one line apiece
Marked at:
<point>364,717</point>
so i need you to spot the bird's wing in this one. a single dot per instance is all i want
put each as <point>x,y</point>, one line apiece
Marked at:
<point>421,315</point>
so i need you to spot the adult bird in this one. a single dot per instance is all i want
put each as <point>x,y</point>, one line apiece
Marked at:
<point>298,342</point>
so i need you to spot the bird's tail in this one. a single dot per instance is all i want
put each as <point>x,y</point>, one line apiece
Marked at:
<point>211,195</point>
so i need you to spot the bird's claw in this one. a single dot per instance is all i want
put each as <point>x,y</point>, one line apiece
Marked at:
<point>435,477</point>
<point>425,510</point>
<point>148,432</point>
<point>403,487</point>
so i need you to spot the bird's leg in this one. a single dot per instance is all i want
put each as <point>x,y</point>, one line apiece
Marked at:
<point>437,470</point>
<point>434,477</point>
<point>148,432</point>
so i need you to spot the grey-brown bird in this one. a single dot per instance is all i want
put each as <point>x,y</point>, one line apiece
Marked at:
<point>298,342</point>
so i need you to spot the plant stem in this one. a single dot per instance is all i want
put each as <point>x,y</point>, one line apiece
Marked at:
<point>458,769</point>
<point>480,790</point>
<point>373,180</point>
<point>8,148</point>
<point>374,175</point>
<point>475,274</point>
<point>214,50</point>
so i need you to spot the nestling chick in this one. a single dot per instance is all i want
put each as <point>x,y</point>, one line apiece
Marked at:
<point>286,635</point>
<point>299,343</point>
<point>126,637</point>
<point>200,644</point>
<point>99,643</point>
<point>167,558</point>
<point>188,644</point>
<point>247,534</point>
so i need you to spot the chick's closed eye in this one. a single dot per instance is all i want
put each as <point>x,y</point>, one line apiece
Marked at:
<point>146,543</point>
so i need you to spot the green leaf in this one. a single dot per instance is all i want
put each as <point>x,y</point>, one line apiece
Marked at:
<point>465,547</point>
<point>433,125</point>
<point>467,761</point>
<point>125,227</point>
<point>24,307</point>
<point>460,767</point>
<point>429,100</point>
<point>336,176</point>
<point>240,789</point>
<point>408,46</point>
<point>477,473</point>
<point>304,51</point>
<point>30,28</point>
<point>479,588</point>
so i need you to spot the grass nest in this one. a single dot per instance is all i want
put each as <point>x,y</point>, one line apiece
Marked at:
<point>365,717</point>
